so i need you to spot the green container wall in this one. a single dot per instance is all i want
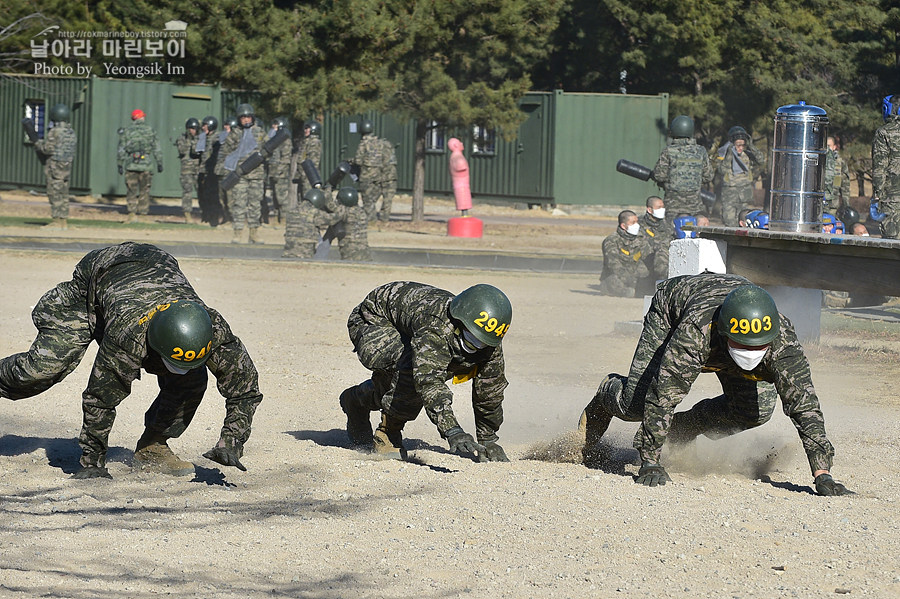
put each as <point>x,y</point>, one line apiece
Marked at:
<point>20,167</point>
<point>167,107</point>
<point>593,131</point>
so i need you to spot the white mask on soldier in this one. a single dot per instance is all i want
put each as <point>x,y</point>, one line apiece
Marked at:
<point>747,359</point>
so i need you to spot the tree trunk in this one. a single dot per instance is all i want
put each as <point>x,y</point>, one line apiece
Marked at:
<point>418,196</point>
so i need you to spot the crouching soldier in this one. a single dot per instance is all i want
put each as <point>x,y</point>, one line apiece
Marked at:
<point>722,324</point>
<point>414,338</point>
<point>136,303</point>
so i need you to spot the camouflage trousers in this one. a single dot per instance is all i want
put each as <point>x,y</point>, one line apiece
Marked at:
<point>301,232</point>
<point>279,187</point>
<point>890,226</point>
<point>734,199</point>
<point>138,195</point>
<point>244,203</point>
<point>388,191</point>
<point>188,180</point>
<point>678,203</point>
<point>354,244</point>
<point>619,284</point>
<point>58,174</point>
<point>369,191</point>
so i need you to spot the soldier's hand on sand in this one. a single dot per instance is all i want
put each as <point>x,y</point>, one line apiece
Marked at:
<point>651,475</point>
<point>492,453</point>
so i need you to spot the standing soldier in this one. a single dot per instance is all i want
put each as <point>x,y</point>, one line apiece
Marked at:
<point>624,254</point>
<point>279,170</point>
<point>735,163</point>
<point>190,164</point>
<point>230,124</point>
<point>59,148</point>
<point>682,169</point>
<point>388,183</point>
<point>886,167</point>
<point>837,178</point>
<point>414,338</point>
<point>309,148</point>
<point>712,323</point>
<point>245,196</point>
<point>135,301</point>
<point>369,160</point>
<point>137,145</point>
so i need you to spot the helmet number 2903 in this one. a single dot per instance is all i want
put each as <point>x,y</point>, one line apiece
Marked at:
<point>491,325</point>
<point>753,325</point>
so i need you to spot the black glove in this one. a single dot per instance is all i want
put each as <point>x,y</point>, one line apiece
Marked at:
<point>492,453</point>
<point>462,442</point>
<point>827,486</point>
<point>121,170</point>
<point>226,457</point>
<point>651,475</point>
<point>91,472</point>
<point>159,168</point>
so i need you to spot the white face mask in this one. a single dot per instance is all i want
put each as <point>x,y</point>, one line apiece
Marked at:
<point>175,370</point>
<point>747,359</point>
<point>634,229</point>
<point>659,213</point>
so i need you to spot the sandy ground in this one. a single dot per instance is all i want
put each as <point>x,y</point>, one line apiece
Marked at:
<point>313,518</point>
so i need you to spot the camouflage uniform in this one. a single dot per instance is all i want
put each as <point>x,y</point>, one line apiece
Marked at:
<point>137,144</point>
<point>679,341</point>
<point>310,148</point>
<point>245,197</point>
<point>403,333</point>
<point>369,157</point>
<point>353,235</point>
<point>190,168</point>
<point>623,263</point>
<point>736,174</point>
<point>303,226</point>
<point>59,147</point>
<point>219,171</point>
<point>279,175</point>
<point>111,298</point>
<point>683,167</point>
<point>837,181</point>
<point>659,234</point>
<point>886,175</point>
<point>388,183</point>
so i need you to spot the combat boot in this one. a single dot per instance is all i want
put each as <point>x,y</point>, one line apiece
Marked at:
<point>131,218</point>
<point>187,216</point>
<point>254,235</point>
<point>359,426</point>
<point>388,438</point>
<point>57,223</point>
<point>154,455</point>
<point>237,236</point>
<point>596,417</point>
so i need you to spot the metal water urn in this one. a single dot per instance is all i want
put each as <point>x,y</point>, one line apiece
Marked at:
<point>798,169</point>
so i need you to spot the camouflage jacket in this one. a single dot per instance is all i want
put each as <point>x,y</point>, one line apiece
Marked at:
<point>279,163</point>
<point>688,306</point>
<point>420,315</point>
<point>659,234</point>
<point>388,162</point>
<point>59,144</point>
<point>623,263</point>
<point>137,145</point>
<point>837,180</point>
<point>886,160</point>
<point>187,153</point>
<point>730,170</point>
<point>369,153</point>
<point>683,166</point>
<point>232,145</point>
<point>310,148</point>
<point>125,285</point>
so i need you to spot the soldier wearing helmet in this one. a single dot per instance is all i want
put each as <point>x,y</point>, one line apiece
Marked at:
<point>837,177</point>
<point>736,160</point>
<point>712,323</point>
<point>58,146</point>
<point>208,180</point>
<point>135,301</point>
<point>138,151</point>
<point>278,169</point>
<point>682,169</point>
<point>886,165</point>
<point>246,196</point>
<point>189,155</point>
<point>414,338</point>
<point>370,160</point>
<point>309,148</point>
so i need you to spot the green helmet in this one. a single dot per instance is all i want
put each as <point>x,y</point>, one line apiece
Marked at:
<point>366,127</point>
<point>682,126</point>
<point>316,197</point>
<point>192,123</point>
<point>737,132</point>
<point>348,196</point>
<point>314,127</point>
<point>484,311</point>
<point>232,122</point>
<point>59,113</point>
<point>279,122</point>
<point>181,333</point>
<point>749,316</point>
<point>211,122</point>
<point>244,110</point>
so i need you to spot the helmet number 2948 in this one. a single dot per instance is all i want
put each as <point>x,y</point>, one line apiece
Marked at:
<point>490,325</point>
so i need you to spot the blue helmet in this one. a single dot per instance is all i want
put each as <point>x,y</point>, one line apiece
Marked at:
<point>829,219</point>
<point>681,221</point>
<point>761,220</point>
<point>890,107</point>
<point>751,218</point>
